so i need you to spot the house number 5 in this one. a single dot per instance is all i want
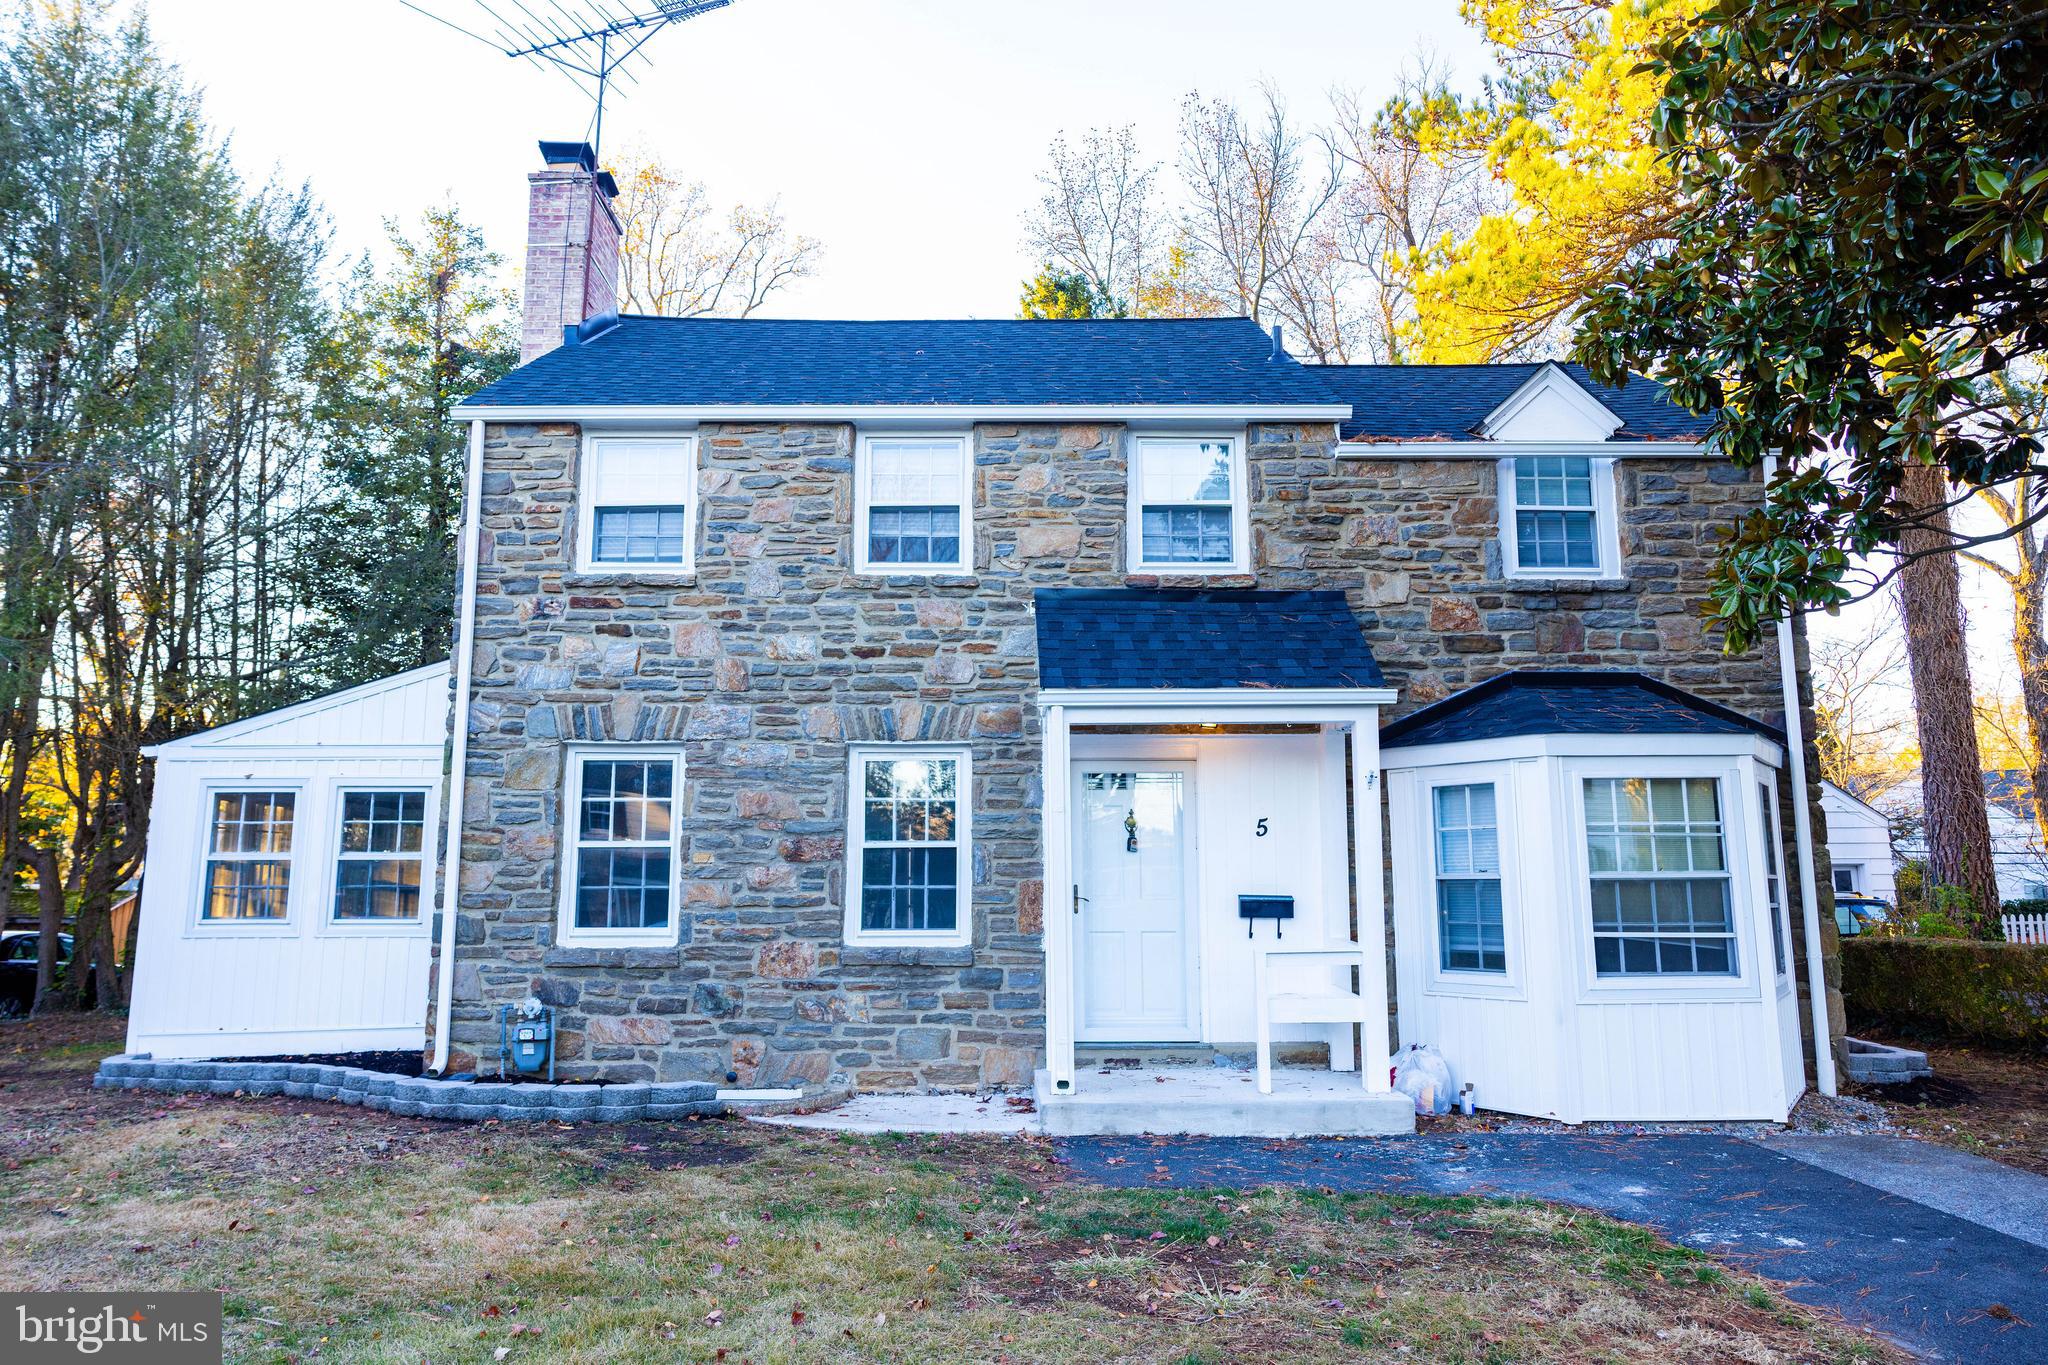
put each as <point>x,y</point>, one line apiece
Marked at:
<point>1261,827</point>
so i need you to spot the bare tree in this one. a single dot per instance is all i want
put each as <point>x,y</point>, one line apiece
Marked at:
<point>1096,216</point>
<point>2020,509</point>
<point>1399,198</point>
<point>677,260</point>
<point>1255,192</point>
<point>1860,737</point>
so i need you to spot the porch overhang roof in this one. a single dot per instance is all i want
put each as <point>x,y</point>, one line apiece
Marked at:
<point>1145,642</point>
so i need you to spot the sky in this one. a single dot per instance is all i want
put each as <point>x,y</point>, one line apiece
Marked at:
<point>903,134</point>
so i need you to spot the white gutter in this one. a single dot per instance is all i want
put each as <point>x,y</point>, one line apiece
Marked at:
<point>1802,827</point>
<point>1495,450</point>
<point>458,759</point>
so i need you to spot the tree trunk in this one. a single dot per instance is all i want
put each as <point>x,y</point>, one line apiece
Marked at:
<point>2030,645</point>
<point>1951,771</point>
<point>49,921</point>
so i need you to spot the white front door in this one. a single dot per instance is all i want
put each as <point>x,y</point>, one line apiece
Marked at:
<point>1134,941</point>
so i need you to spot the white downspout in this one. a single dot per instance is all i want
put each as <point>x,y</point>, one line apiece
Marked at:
<point>458,759</point>
<point>1802,826</point>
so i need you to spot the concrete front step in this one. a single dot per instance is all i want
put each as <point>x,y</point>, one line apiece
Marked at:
<point>1214,1102</point>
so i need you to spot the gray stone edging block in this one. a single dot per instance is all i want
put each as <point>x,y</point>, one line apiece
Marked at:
<point>416,1096</point>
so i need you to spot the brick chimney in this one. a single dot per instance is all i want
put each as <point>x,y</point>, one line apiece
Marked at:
<point>572,246</point>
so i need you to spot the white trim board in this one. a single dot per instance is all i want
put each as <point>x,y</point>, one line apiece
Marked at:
<point>1399,756</point>
<point>1215,698</point>
<point>954,413</point>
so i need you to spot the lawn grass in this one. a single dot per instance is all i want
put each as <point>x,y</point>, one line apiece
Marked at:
<point>341,1235</point>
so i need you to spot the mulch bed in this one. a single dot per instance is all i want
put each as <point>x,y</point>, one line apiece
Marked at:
<point>1984,1101</point>
<point>387,1063</point>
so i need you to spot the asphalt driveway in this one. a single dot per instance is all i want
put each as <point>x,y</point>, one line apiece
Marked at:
<point>1946,1284</point>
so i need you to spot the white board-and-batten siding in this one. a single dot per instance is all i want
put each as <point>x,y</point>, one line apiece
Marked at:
<point>310,983</point>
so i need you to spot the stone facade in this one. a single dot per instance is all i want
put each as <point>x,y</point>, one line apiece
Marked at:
<point>774,657</point>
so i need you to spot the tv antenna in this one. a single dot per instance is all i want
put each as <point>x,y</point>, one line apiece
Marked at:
<point>591,42</point>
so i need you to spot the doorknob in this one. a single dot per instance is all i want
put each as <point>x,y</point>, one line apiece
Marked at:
<point>1078,898</point>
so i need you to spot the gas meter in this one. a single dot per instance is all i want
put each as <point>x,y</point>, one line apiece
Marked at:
<point>526,1037</point>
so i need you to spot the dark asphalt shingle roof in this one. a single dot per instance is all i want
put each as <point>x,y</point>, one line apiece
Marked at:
<point>1448,402</point>
<point>1137,637</point>
<point>1544,702</point>
<point>696,361</point>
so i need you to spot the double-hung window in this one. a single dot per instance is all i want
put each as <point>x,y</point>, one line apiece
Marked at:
<point>381,857</point>
<point>909,845</point>
<point>1470,933</point>
<point>1188,506</point>
<point>620,882</point>
<point>1559,517</point>
<point>638,499</point>
<point>249,857</point>
<point>915,511</point>
<point>1656,848</point>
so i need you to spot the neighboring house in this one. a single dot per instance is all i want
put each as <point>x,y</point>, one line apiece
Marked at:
<point>889,705</point>
<point>1859,844</point>
<point>2017,855</point>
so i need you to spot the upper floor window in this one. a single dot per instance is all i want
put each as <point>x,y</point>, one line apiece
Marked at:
<point>915,506</point>
<point>1657,852</point>
<point>249,856</point>
<point>382,853</point>
<point>1558,518</point>
<point>1188,505</point>
<point>638,504</point>
<point>620,883</point>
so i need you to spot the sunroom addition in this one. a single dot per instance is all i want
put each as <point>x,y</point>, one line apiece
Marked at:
<point>1590,902</point>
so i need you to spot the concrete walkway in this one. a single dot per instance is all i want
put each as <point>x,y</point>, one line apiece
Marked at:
<point>1894,1239</point>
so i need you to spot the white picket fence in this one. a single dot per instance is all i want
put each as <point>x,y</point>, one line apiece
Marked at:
<point>2026,928</point>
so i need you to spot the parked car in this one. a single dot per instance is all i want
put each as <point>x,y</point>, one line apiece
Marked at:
<point>1854,914</point>
<point>18,971</point>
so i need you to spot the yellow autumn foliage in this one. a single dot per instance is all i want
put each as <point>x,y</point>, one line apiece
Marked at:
<point>1566,137</point>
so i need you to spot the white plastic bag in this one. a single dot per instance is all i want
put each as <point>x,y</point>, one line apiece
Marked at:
<point>1422,1074</point>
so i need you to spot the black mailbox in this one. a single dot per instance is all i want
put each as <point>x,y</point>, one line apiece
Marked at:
<point>1251,909</point>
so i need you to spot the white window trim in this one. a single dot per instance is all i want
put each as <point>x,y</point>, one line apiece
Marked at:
<point>1855,871</point>
<point>333,923</point>
<point>1771,861</point>
<point>567,933</point>
<point>1438,980</point>
<point>962,932</point>
<point>863,467</point>
<point>1606,524</point>
<point>294,892</point>
<point>586,506</point>
<point>1738,850</point>
<point>1240,506</point>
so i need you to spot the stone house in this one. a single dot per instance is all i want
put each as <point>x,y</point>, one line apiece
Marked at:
<point>851,706</point>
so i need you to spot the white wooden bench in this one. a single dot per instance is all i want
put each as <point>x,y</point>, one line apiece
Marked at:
<point>1330,1004</point>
